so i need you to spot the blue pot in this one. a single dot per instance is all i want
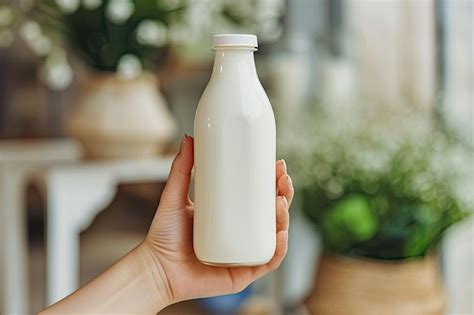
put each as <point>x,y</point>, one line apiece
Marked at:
<point>226,304</point>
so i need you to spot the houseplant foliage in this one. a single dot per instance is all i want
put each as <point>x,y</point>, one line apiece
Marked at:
<point>381,184</point>
<point>129,35</point>
<point>120,112</point>
<point>105,33</point>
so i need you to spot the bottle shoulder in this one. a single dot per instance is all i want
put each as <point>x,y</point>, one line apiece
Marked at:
<point>234,94</point>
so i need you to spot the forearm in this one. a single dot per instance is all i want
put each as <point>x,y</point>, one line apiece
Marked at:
<point>136,284</point>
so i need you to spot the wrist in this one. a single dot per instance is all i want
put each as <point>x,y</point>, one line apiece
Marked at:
<point>135,284</point>
<point>154,279</point>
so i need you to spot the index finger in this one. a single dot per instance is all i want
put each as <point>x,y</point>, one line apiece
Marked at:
<point>280,169</point>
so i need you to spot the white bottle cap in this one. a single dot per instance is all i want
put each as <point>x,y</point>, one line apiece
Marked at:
<point>240,40</point>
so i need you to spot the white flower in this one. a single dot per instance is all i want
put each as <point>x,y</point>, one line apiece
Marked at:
<point>198,15</point>
<point>334,188</point>
<point>118,11</point>
<point>42,46</point>
<point>269,9</point>
<point>152,33</point>
<point>129,66</point>
<point>179,33</point>
<point>56,72</point>
<point>68,6</point>
<point>6,38</point>
<point>6,16</point>
<point>91,4</point>
<point>30,31</point>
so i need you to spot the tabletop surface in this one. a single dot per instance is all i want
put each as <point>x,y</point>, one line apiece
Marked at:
<point>43,150</point>
<point>69,152</point>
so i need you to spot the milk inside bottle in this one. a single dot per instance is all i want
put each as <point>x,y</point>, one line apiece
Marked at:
<point>234,154</point>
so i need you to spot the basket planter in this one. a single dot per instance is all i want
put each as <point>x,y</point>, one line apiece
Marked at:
<point>347,285</point>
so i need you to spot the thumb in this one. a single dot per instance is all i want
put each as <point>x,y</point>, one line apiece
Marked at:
<point>175,193</point>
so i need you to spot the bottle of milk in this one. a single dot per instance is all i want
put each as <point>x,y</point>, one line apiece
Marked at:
<point>234,153</point>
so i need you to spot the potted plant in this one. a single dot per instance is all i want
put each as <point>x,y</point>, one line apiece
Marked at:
<point>120,111</point>
<point>381,186</point>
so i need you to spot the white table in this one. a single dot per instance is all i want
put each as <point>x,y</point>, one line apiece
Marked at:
<point>20,162</point>
<point>76,194</point>
<point>77,190</point>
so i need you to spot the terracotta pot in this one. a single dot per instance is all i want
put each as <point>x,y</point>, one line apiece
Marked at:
<point>120,118</point>
<point>367,286</point>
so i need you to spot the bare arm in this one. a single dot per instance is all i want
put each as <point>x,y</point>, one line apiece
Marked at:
<point>133,285</point>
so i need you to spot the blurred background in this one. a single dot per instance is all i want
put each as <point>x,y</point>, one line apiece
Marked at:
<point>374,104</point>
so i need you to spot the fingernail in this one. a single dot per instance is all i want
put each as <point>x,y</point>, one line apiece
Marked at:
<point>284,164</point>
<point>183,142</point>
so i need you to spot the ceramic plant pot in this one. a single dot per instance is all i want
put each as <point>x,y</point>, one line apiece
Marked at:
<point>121,118</point>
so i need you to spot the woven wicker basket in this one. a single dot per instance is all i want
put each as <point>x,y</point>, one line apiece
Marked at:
<point>349,286</point>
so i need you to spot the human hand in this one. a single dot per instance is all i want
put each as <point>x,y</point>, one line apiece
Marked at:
<point>169,242</point>
<point>163,269</point>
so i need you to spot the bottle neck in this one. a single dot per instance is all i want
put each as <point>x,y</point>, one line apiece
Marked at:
<point>239,61</point>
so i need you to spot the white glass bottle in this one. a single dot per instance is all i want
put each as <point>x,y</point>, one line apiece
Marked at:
<point>234,154</point>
